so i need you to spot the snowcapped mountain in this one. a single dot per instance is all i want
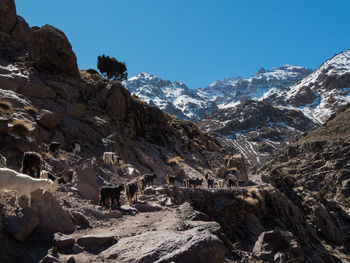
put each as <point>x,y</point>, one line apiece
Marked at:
<point>321,93</point>
<point>228,92</point>
<point>194,104</point>
<point>172,97</point>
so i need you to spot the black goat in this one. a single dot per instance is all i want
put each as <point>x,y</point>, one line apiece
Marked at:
<point>32,164</point>
<point>112,192</point>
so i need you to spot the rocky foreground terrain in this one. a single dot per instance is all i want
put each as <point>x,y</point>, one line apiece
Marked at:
<point>295,209</point>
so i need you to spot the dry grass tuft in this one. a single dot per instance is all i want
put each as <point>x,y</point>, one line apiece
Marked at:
<point>31,109</point>
<point>21,127</point>
<point>6,107</point>
<point>232,169</point>
<point>174,160</point>
<point>62,157</point>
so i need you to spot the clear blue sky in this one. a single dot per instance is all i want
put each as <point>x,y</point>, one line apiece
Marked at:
<point>198,41</point>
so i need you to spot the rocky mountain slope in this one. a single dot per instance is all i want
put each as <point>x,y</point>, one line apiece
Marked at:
<point>314,173</point>
<point>256,129</point>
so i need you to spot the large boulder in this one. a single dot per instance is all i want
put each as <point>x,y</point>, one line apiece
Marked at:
<point>53,218</point>
<point>52,52</point>
<point>278,244</point>
<point>194,245</point>
<point>89,180</point>
<point>8,17</point>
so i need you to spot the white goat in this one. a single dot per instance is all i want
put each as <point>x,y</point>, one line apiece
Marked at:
<point>110,158</point>
<point>23,184</point>
<point>132,171</point>
<point>76,148</point>
<point>3,162</point>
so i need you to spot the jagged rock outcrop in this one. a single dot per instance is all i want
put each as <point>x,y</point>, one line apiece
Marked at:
<point>8,17</point>
<point>52,52</point>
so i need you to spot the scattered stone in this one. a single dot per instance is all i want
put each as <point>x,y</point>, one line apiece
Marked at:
<point>90,212</point>
<point>61,241</point>
<point>99,239</point>
<point>114,214</point>
<point>144,208</point>
<point>150,191</point>
<point>126,209</point>
<point>71,260</point>
<point>79,219</point>
<point>167,201</point>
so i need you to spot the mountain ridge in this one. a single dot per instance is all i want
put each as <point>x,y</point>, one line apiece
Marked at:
<point>195,104</point>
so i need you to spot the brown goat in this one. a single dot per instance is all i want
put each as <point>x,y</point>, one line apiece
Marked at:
<point>32,164</point>
<point>131,192</point>
<point>185,182</point>
<point>210,182</point>
<point>141,182</point>
<point>170,179</point>
<point>149,179</point>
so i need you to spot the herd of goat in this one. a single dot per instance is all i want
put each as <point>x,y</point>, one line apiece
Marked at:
<point>32,177</point>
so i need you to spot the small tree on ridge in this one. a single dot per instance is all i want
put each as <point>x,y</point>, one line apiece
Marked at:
<point>112,68</point>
